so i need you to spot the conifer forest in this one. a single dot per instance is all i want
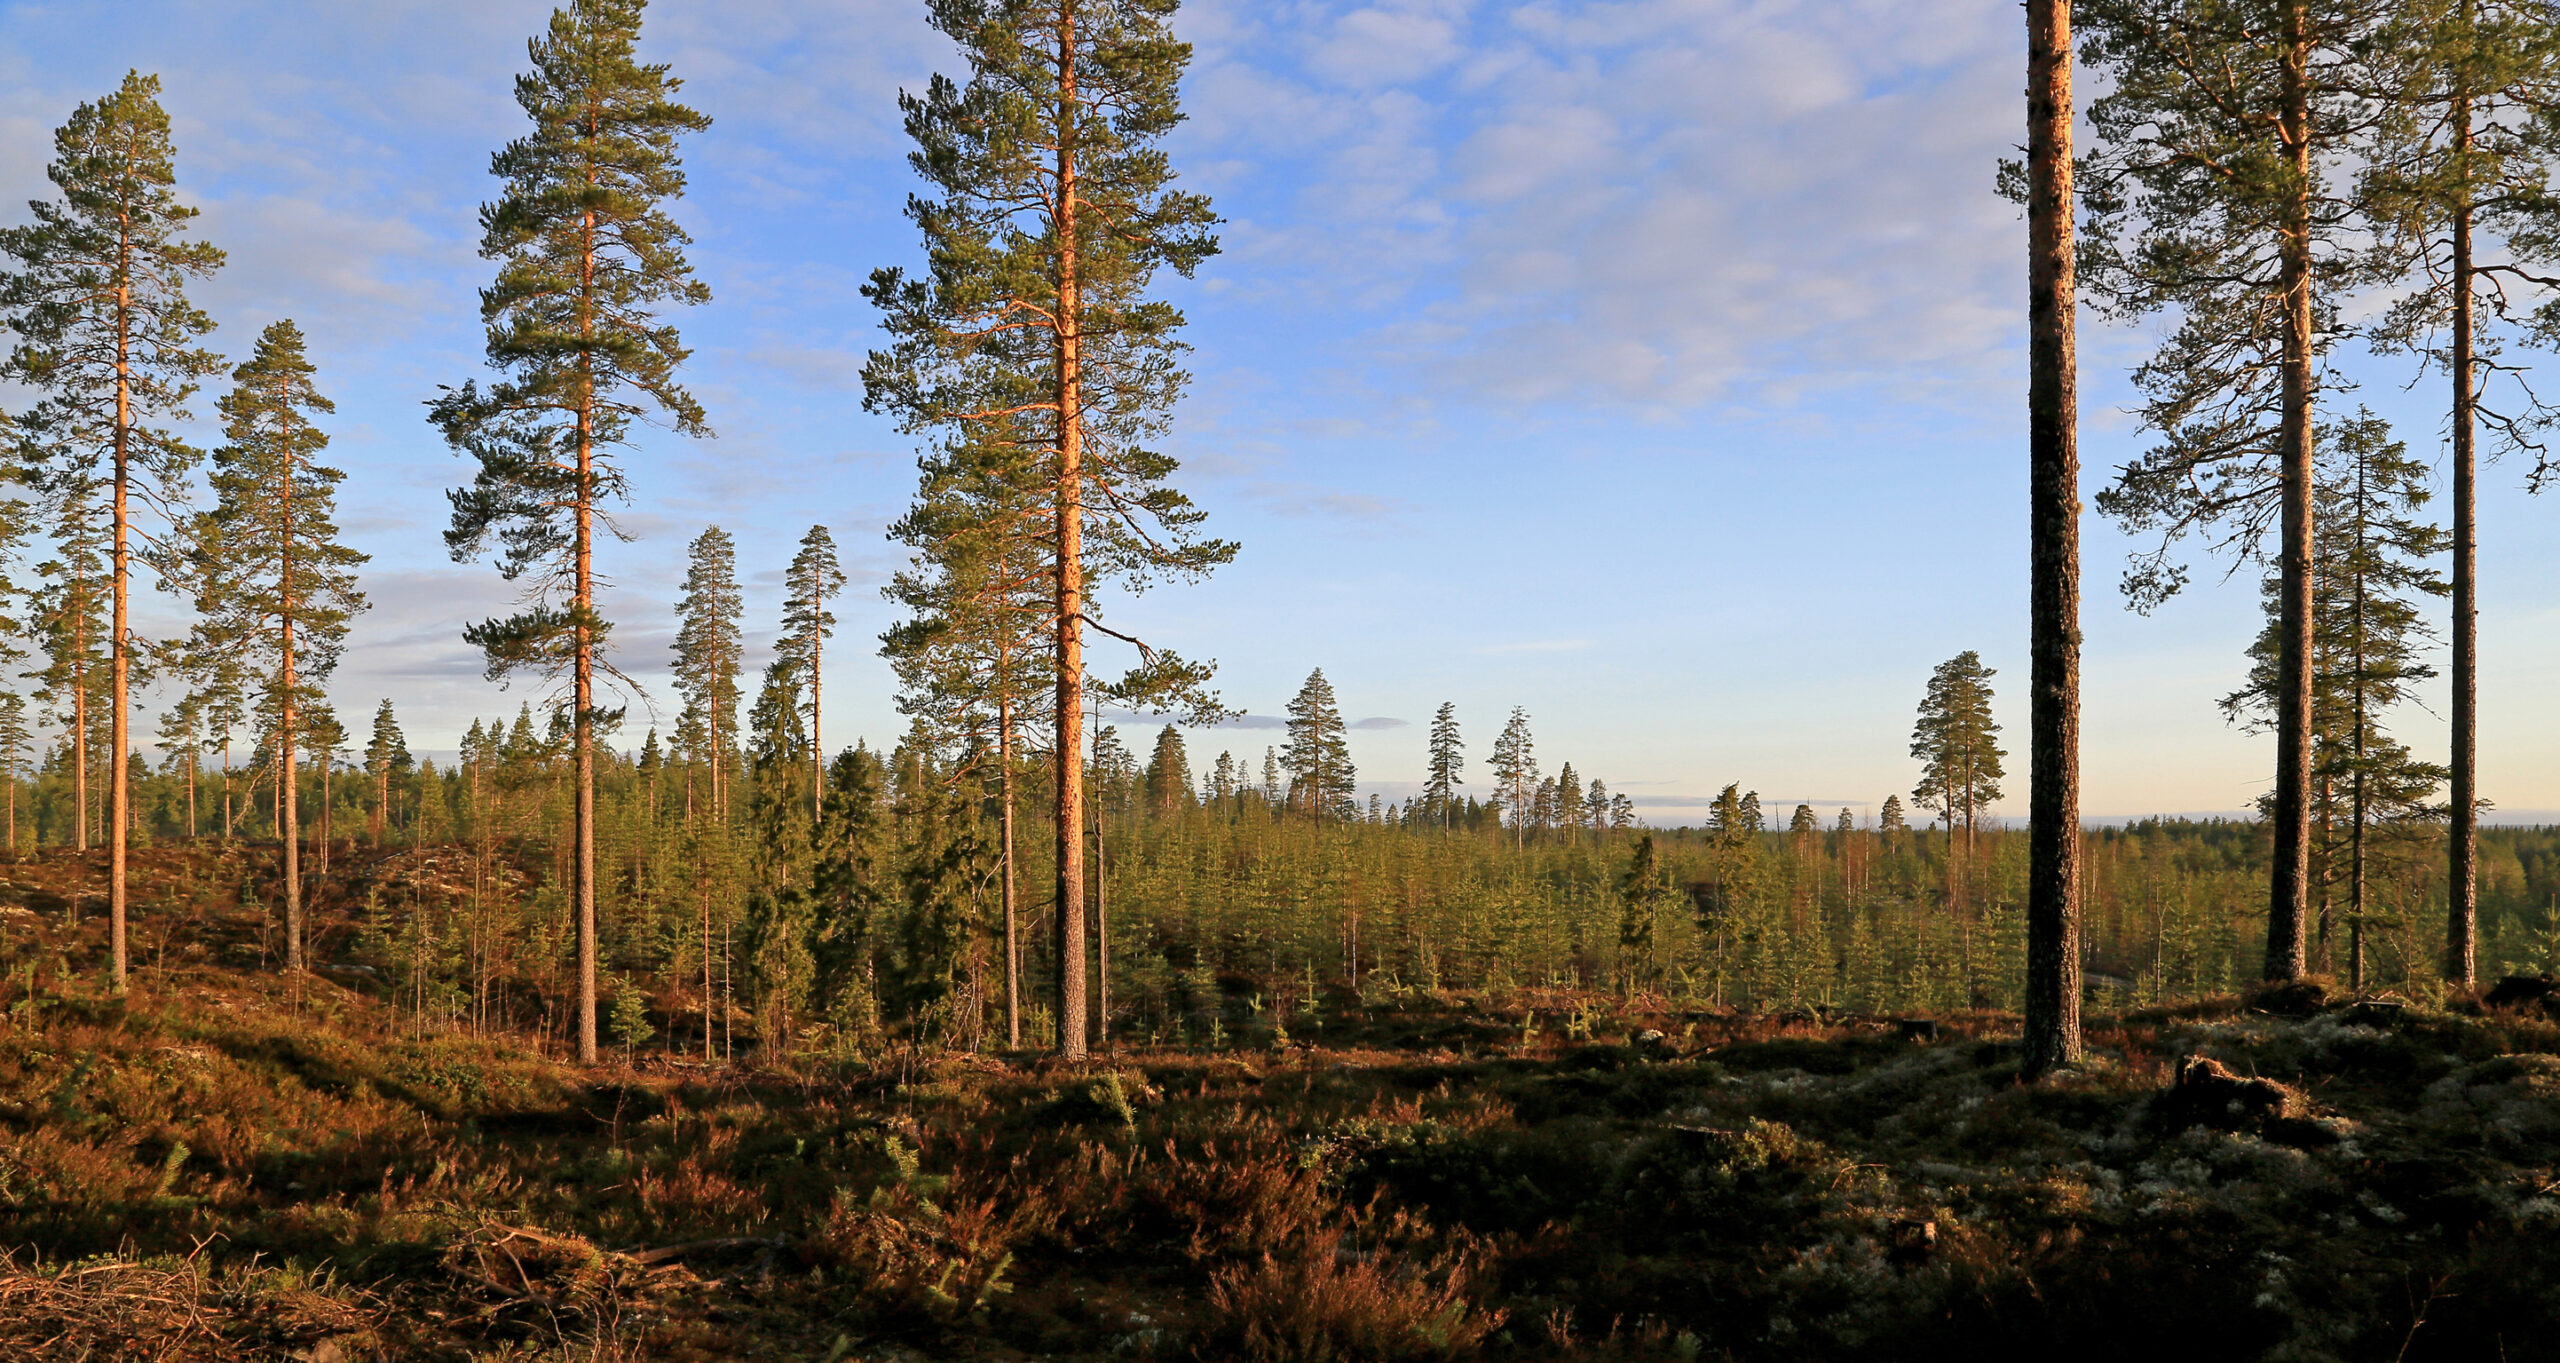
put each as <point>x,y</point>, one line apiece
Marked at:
<point>1072,1018</point>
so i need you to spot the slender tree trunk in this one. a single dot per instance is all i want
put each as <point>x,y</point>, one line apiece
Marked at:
<point>80,713</point>
<point>119,687</point>
<point>2288,883</point>
<point>288,813</point>
<point>582,876</point>
<point>2356,791</point>
<point>706,969</point>
<point>1072,1024</point>
<point>2462,879</point>
<point>2054,836</point>
<point>1004,824</point>
<point>817,749</point>
<point>1101,934</point>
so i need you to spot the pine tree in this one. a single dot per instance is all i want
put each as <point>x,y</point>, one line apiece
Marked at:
<point>1801,828</point>
<point>274,585</point>
<point>17,751</point>
<point>1168,774</point>
<point>588,254</point>
<point>711,653</point>
<point>1569,800</point>
<point>386,758</point>
<point>1448,766</point>
<point>2458,182</point>
<point>976,652</point>
<point>2211,196</point>
<point>813,579</point>
<point>2368,638</point>
<point>71,630</point>
<point>108,338</point>
<point>1054,210</point>
<point>1515,774</point>
<point>1955,739</point>
<point>1318,757</point>
<point>1891,824</point>
<point>2052,996</point>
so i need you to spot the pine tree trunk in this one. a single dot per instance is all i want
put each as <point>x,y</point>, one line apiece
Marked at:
<point>119,792</point>
<point>288,814</point>
<point>817,750</point>
<point>2288,884</point>
<point>2052,1022</point>
<point>1072,1023</point>
<point>1101,935</point>
<point>2462,880</point>
<point>1004,802</point>
<point>582,875</point>
<point>80,714</point>
<point>2355,830</point>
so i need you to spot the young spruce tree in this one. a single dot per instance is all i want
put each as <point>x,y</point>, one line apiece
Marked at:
<point>587,256</point>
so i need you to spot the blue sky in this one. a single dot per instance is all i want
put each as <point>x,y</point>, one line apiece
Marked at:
<point>1654,366</point>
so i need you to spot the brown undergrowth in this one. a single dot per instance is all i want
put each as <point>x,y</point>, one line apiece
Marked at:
<point>231,1166</point>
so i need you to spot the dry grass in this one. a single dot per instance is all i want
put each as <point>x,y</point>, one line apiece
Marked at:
<point>233,1167</point>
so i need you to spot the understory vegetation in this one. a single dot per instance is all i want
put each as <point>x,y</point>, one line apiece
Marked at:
<point>231,1162</point>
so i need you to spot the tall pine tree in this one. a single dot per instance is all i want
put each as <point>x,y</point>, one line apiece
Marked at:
<point>710,655</point>
<point>813,579</point>
<point>109,339</point>
<point>275,586</point>
<point>2369,634</point>
<point>2214,194</point>
<point>1054,206</point>
<point>1448,765</point>
<point>587,256</point>
<point>2052,1022</point>
<point>1318,757</point>
<point>2458,182</point>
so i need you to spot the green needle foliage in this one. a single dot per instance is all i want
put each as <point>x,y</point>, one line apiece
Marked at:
<point>1032,342</point>
<point>587,255</point>
<point>386,760</point>
<point>2216,193</point>
<point>710,655</point>
<point>274,586</point>
<point>2373,799</point>
<point>1322,780</point>
<point>1515,772</point>
<point>1956,741</point>
<point>107,338</point>
<point>1448,764</point>
<point>813,579</point>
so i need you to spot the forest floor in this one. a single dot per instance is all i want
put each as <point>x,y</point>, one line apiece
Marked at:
<point>231,1165</point>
